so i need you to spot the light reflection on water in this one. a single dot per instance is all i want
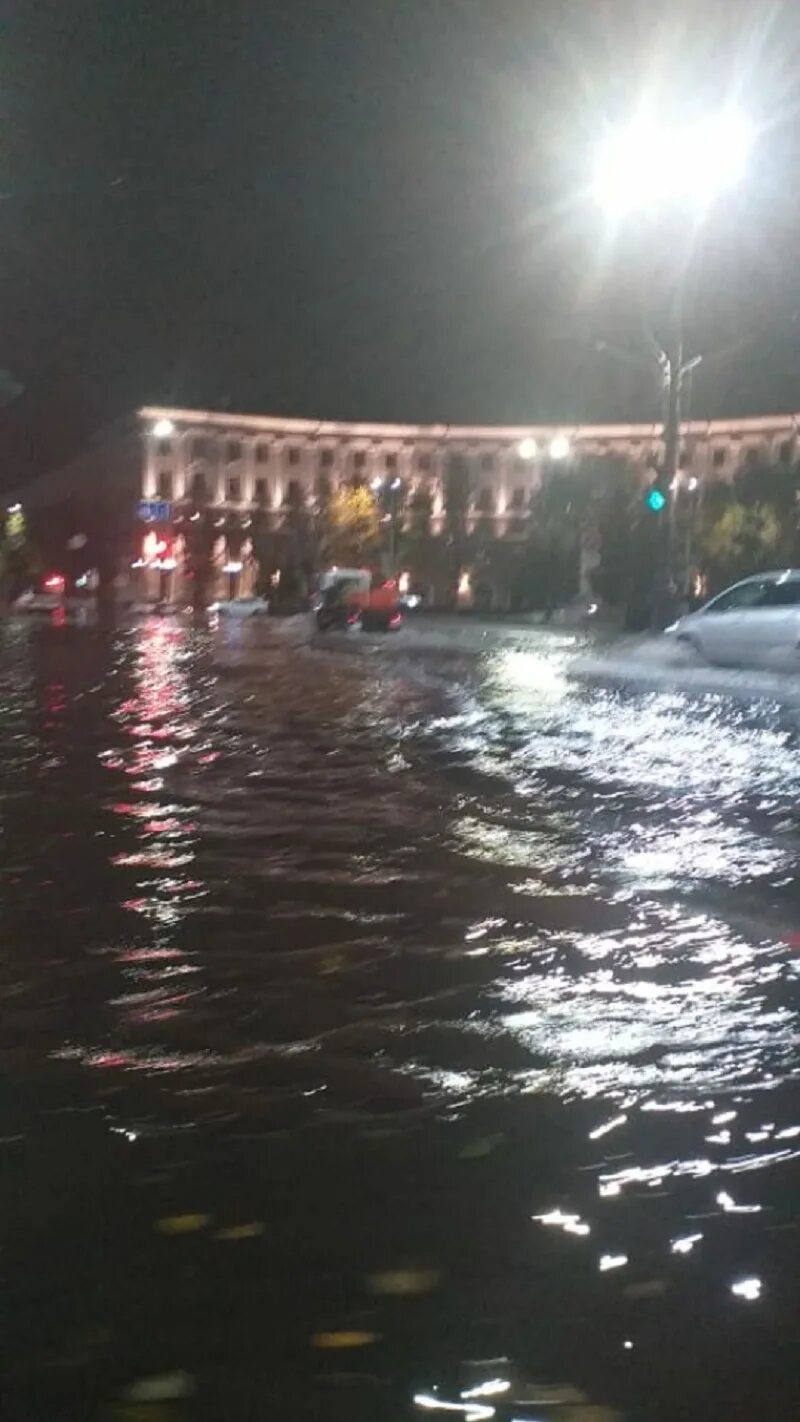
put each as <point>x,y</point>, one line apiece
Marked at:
<point>460,967</point>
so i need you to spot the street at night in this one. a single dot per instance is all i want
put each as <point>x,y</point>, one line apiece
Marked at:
<point>394,1019</point>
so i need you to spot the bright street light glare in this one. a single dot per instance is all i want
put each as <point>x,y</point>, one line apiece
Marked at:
<point>559,447</point>
<point>527,449</point>
<point>647,165</point>
<point>162,429</point>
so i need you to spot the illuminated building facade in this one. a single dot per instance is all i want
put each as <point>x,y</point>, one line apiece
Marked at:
<point>262,471</point>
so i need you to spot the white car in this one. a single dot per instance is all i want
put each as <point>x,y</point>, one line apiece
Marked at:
<point>754,623</point>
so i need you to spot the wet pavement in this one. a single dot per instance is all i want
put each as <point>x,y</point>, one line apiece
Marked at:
<point>395,1020</point>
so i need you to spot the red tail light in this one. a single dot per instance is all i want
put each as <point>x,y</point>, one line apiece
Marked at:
<point>54,583</point>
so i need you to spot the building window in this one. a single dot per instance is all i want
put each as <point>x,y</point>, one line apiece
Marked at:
<point>199,447</point>
<point>164,448</point>
<point>786,451</point>
<point>685,459</point>
<point>751,458</point>
<point>359,459</point>
<point>261,490</point>
<point>485,501</point>
<point>199,491</point>
<point>424,463</point>
<point>293,454</point>
<point>234,450</point>
<point>487,462</point>
<point>391,461</point>
<point>234,489</point>
<point>517,500</point>
<point>323,489</point>
<point>294,494</point>
<point>718,458</point>
<point>165,485</point>
<point>326,458</point>
<point>262,454</point>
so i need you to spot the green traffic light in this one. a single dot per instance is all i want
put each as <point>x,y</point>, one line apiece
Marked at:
<point>655,500</point>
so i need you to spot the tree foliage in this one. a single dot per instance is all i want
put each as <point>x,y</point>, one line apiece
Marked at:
<point>352,527</point>
<point>19,561</point>
<point>741,539</point>
<point>751,524</point>
<point>595,504</point>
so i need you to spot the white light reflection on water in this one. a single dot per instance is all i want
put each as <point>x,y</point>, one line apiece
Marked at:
<point>663,806</point>
<point>685,1244</point>
<point>472,1411</point>
<point>569,1223</point>
<point>749,1289</point>
<point>611,1261</point>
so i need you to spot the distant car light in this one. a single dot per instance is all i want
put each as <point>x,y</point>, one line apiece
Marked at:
<point>54,583</point>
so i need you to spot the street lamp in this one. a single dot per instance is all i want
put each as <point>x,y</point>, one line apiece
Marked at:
<point>163,429</point>
<point>648,167</point>
<point>559,447</point>
<point>527,448</point>
<point>379,487</point>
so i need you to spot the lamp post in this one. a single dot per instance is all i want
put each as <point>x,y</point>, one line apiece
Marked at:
<point>650,168</point>
<point>382,488</point>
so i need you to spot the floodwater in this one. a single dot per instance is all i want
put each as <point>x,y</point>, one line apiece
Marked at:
<point>394,1021</point>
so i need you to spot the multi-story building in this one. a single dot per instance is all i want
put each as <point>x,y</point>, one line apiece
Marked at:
<point>164,462</point>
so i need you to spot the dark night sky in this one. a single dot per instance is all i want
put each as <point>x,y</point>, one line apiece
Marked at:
<point>370,209</point>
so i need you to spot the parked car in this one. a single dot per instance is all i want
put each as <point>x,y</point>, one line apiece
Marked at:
<point>754,623</point>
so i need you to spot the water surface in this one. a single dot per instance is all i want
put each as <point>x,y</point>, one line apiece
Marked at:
<point>380,1021</point>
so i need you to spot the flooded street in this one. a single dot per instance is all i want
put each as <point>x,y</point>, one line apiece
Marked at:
<point>395,1020</point>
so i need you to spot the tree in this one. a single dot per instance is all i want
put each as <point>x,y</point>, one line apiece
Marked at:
<point>352,531</point>
<point>420,550</point>
<point>742,539</point>
<point>548,571</point>
<point>456,508</point>
<point>625,532</point>
<point>263,543</point>
<point>592,510</point>
<point>749,525</point>
<point>199,539</point>
<point>18,560</point>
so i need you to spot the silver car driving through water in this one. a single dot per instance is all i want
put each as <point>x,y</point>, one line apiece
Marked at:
<point>754,623</point>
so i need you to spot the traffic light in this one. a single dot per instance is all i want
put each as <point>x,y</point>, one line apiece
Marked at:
<point>655,495</point>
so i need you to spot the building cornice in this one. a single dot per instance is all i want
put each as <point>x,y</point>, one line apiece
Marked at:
<point>497,434</point>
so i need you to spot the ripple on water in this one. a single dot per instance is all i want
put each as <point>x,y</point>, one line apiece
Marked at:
<point>438,968</point>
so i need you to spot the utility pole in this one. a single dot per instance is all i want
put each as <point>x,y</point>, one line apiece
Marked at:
<point>674,371</point>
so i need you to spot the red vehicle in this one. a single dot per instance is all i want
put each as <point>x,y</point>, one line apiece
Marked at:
<point>358,597</point>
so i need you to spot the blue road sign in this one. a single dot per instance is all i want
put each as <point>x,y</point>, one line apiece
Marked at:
<point>154,510</point>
